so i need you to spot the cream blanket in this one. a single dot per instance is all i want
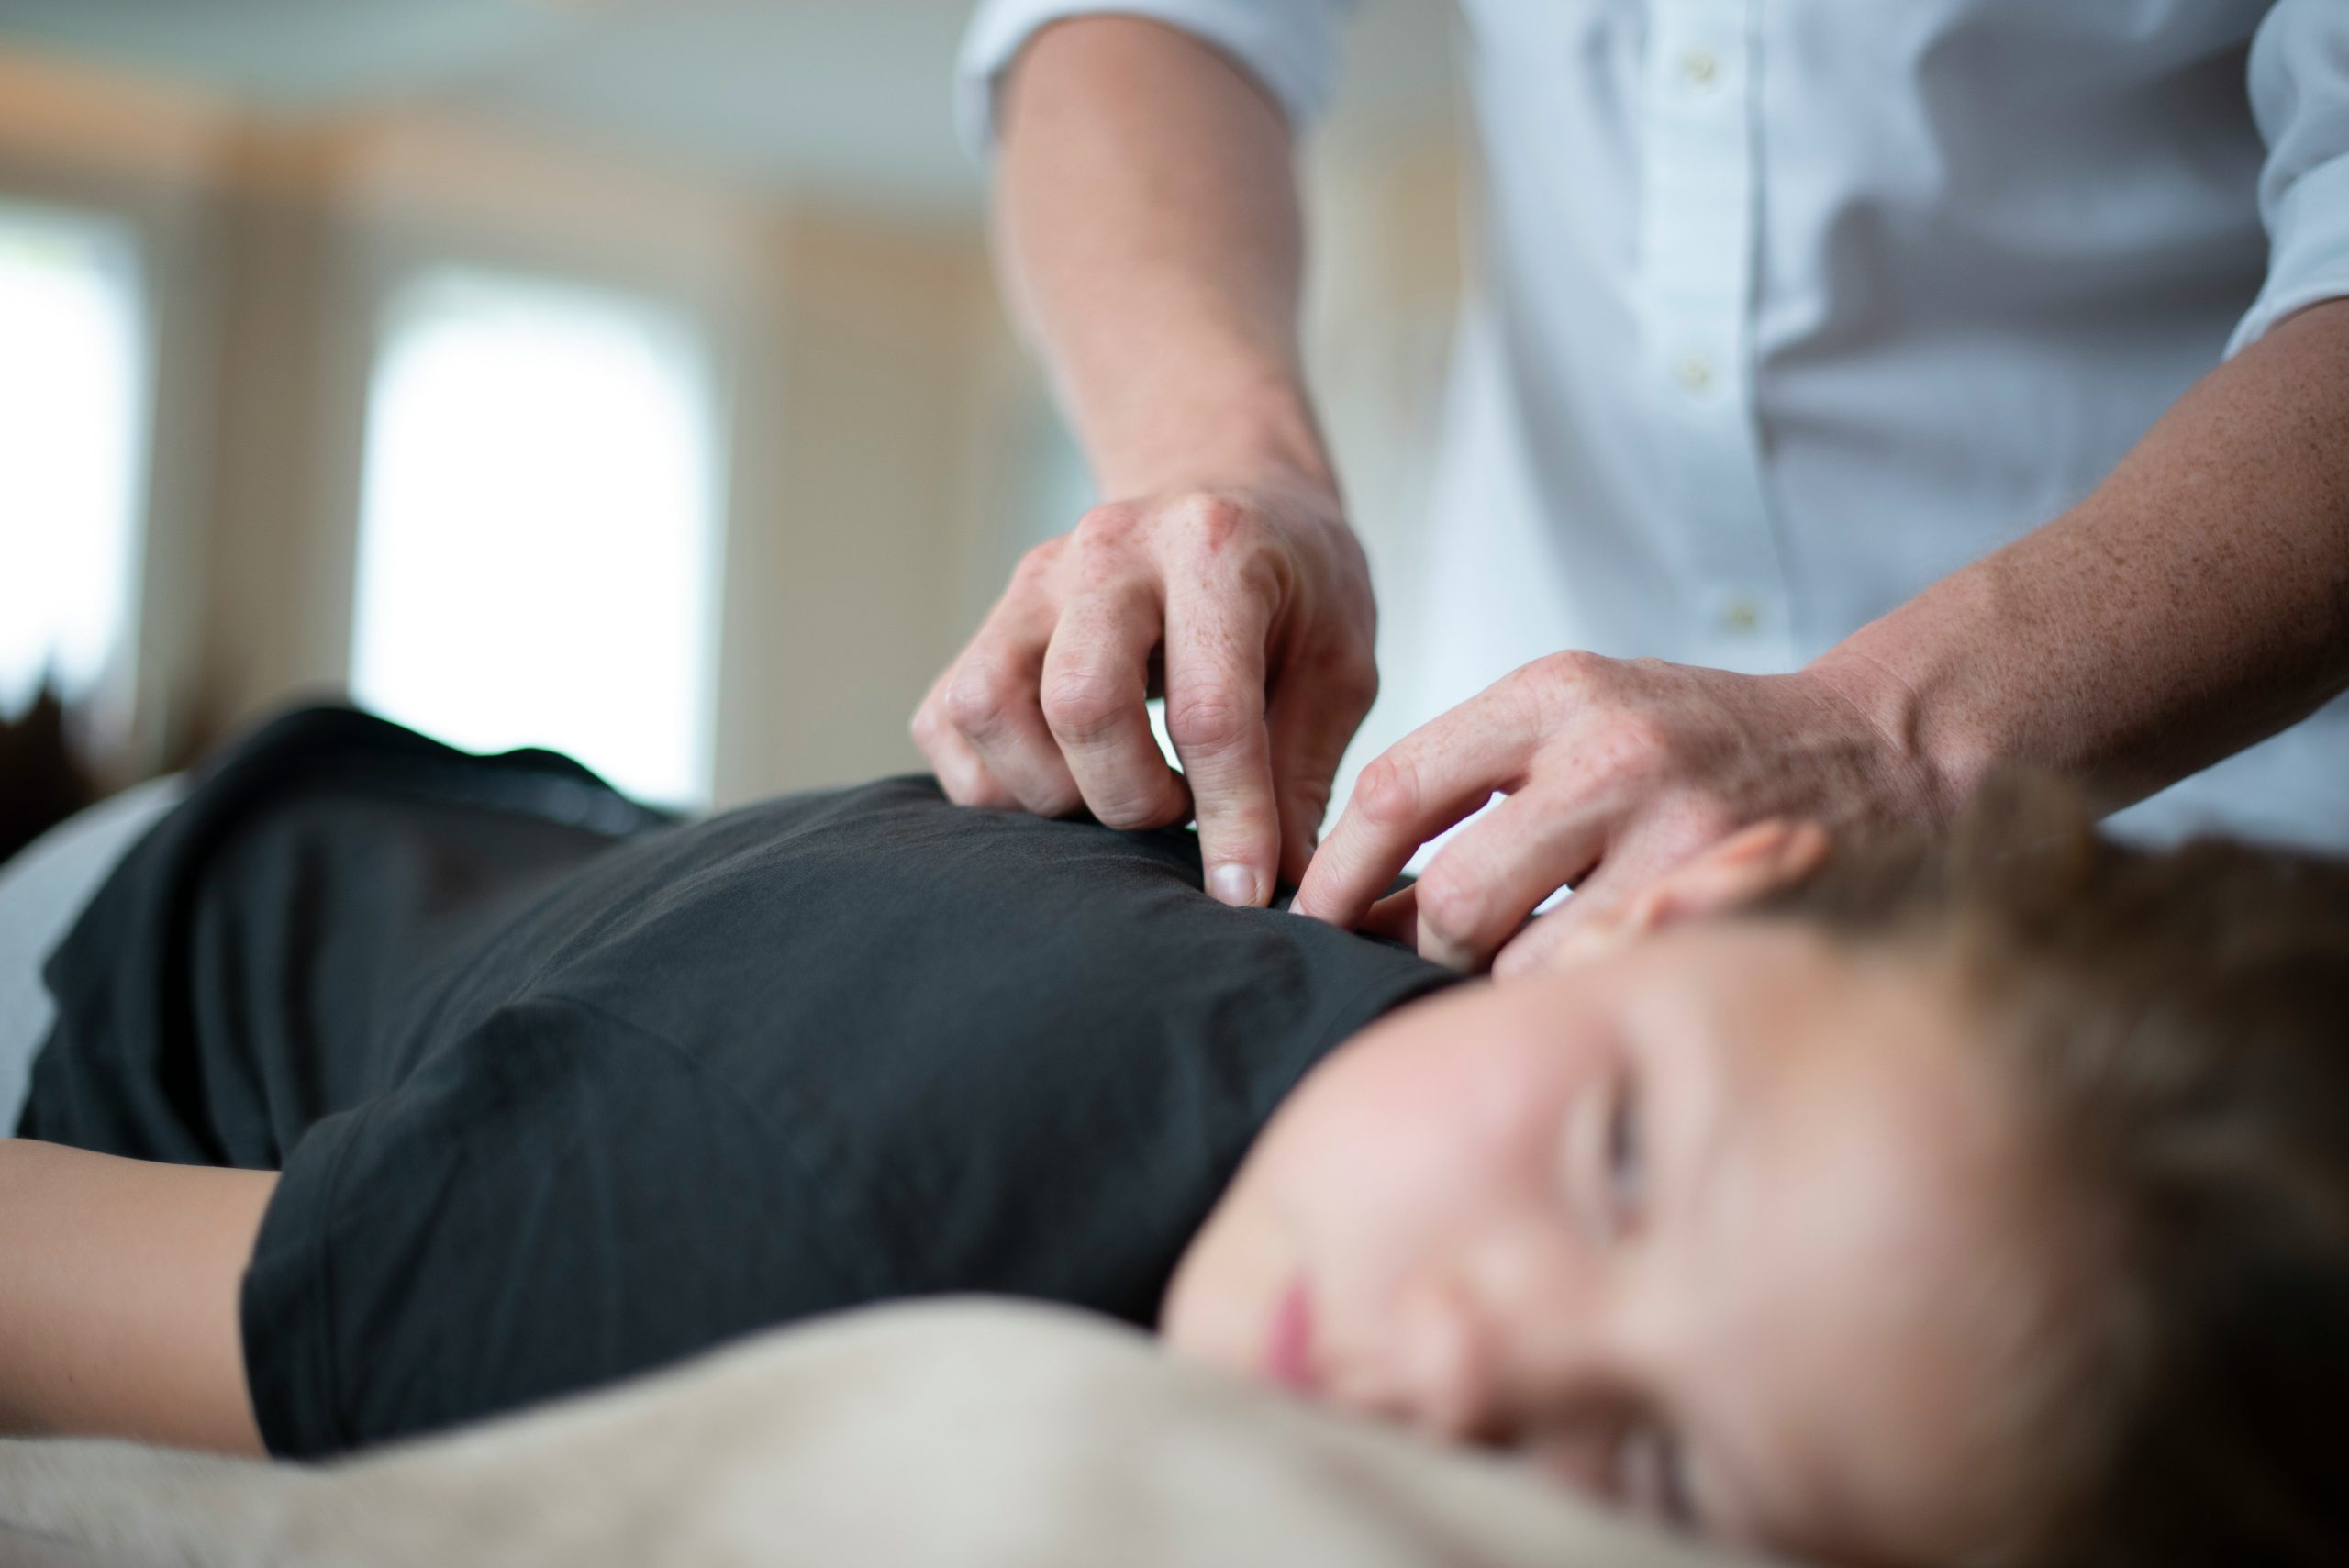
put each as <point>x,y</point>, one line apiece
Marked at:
<point>969,1433</point>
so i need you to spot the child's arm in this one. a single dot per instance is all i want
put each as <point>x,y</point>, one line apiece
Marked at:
<point>119,1292</point>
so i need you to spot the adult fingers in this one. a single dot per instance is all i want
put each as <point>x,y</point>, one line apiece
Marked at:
<point>991,699</point>
<point>1609,894</point>
<point>1216,635</point>
<point>1416,788</point>
<point>961,774</point>
<point>1096,698</point>
<point>1315,709</point>
<point>1482,884</point>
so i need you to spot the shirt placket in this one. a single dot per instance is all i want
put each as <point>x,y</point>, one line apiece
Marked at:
<point>1697,245</point>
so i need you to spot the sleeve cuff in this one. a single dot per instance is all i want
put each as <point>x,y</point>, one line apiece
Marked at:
<point>285,1309</point>
<point>1289,46</point>
<point>2309,260</point>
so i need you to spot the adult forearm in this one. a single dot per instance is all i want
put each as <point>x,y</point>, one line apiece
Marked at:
<point>1148,220</point>
<point>1152,247</point>
<point>2196,603</point>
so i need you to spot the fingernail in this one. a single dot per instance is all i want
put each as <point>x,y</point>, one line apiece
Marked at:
<point>1233,884</point>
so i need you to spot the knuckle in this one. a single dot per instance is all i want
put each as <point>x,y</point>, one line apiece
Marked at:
<point>1210,721</point>
<point>1637,742</point>
<point>1211,522</point>
<point>1353,683</point>
<point>1563,674</point>
<point>1388,793</point>
<point>1107,527</point>
<point>980,698</point>
<point>1037,565</point>
<point>1220,543</point>
<point>1309,797</point>
<point>1449,905</point>
<point>1081,704</point>
<point>1576,664</point>
<point>1700,820</point>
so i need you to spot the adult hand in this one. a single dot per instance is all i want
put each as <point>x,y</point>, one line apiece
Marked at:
<point>1616,772</point>
<point>1249,606</point>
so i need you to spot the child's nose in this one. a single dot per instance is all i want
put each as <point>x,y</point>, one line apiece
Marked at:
<point>1502,1357</point>
<point>1445,1363</point>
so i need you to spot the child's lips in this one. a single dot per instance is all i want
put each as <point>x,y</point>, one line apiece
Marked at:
<point>1288,1342</point>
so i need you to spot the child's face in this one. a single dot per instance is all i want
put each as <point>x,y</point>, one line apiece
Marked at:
<point>1732,1229</point>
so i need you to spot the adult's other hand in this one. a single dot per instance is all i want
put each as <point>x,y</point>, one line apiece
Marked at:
<point>1615,773</point>
<point>1249,607</point>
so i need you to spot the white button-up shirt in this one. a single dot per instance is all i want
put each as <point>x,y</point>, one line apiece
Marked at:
<point>1792,307</point>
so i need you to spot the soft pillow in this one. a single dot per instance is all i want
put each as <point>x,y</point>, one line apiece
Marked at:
<point>965,1433</point>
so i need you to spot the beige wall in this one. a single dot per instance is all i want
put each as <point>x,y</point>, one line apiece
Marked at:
<point>860,434</point>
<point>883,421</point>
<point>1384,296</point>
<point>140,150</point>
<point>861,356</point>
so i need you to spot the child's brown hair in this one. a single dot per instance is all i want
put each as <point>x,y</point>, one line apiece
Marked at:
<point>2179,1021</point>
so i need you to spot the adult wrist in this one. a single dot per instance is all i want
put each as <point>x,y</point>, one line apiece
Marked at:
<point>1263,436</point>
<point>1936,765</point>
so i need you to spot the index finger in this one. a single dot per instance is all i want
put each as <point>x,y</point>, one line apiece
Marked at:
<point>1215,715</point>
<point>1423,784</point>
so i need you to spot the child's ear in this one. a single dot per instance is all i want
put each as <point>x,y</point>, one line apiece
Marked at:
<point>1749,864</point>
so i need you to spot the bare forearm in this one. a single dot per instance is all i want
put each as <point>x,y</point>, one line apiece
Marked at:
<point>118,1290</point>
<point>1152,245</point>
<point>2196,601</point>
<point>1149,224</point>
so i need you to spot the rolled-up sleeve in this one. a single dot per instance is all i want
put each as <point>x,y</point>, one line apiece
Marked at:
<point>2300,94</point>
<point>1289,46</point>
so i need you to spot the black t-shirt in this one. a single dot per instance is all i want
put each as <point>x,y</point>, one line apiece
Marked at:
<point>563,1090</point>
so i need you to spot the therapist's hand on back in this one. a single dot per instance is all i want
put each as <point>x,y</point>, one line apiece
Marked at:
<point>1152,247</point>
<point>1246,607</point>
<point>1615,771</point>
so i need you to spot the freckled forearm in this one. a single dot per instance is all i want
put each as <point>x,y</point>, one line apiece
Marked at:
<point>2196,603</point>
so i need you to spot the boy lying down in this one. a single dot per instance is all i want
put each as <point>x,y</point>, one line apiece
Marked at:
<point>1987,1203</point>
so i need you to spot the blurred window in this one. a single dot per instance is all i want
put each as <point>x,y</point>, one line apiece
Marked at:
<point>73,443</point>
<point>537,529</point>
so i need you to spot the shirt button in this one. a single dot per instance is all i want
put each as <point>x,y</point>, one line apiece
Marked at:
<point>1695,373</point>
<point>1741,617</point>
<point>1699,68</point>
